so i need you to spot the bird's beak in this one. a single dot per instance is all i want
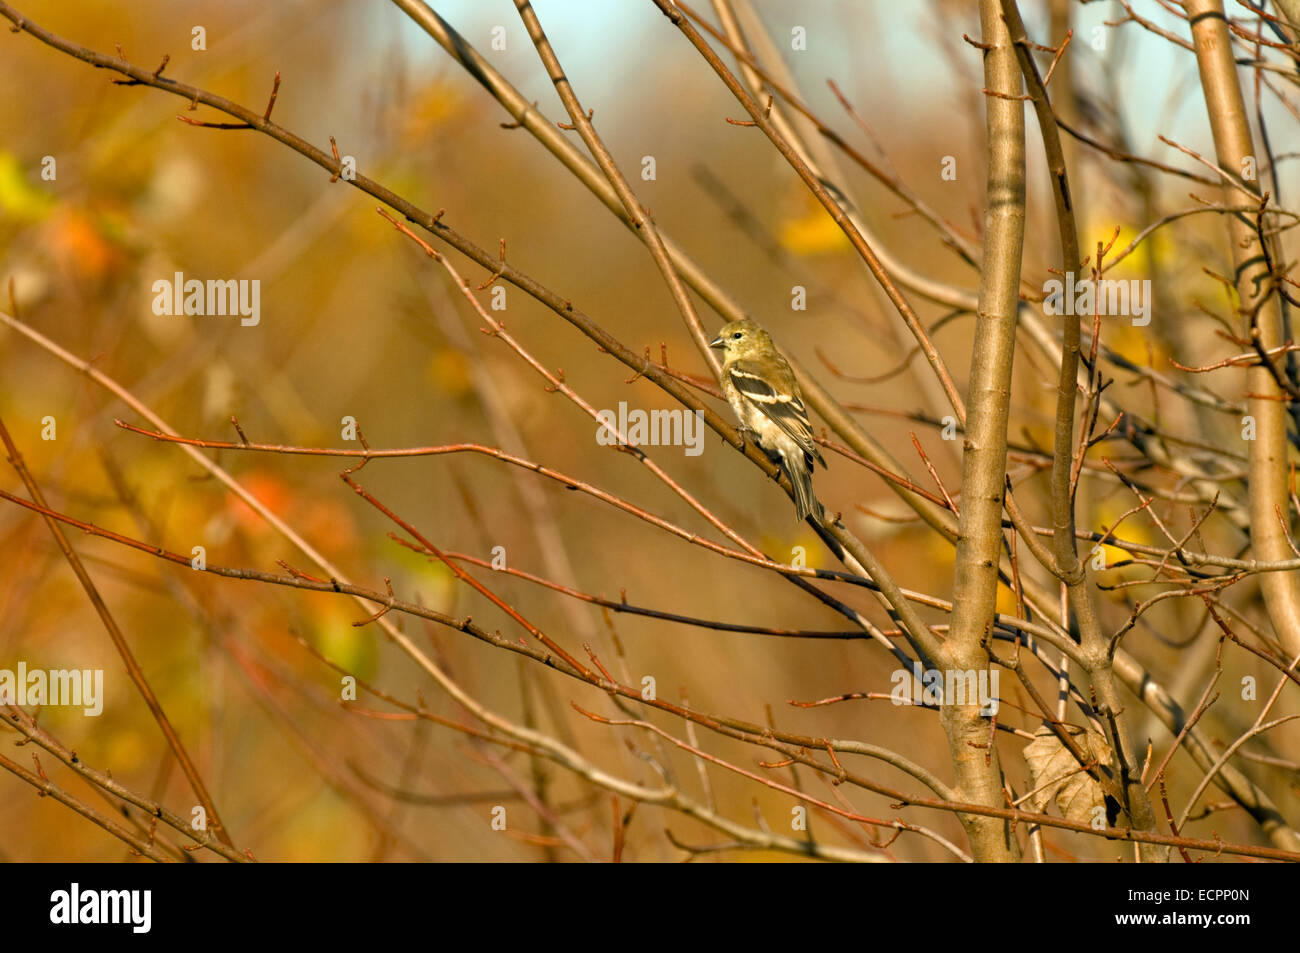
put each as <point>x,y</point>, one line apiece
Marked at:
<point>717,342</point>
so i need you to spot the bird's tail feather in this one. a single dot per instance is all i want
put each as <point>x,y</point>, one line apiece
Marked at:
<point>805,501</point>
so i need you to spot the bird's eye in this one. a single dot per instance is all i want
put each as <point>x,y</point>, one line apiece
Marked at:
<point>737,336</point>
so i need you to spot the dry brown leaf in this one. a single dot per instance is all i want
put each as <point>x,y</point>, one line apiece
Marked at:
<point>1056,774</point>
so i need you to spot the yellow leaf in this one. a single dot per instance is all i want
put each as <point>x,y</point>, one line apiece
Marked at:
<point>19,199</point>
<point>803,549</point>
<point>1136,528</point>
<point>1006,601</point>
<point>451,372</point>
<point>1134,344</point>
<point>815,233</point>
<point>434,106</point>
<point>350,647</point>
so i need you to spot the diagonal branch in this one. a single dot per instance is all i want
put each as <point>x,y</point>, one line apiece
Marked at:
<point>119,642</point>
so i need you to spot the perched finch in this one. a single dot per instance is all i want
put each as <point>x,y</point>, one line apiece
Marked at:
<point>760,386</point>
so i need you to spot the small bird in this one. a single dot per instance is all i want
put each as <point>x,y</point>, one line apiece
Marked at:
<point>760,386</point>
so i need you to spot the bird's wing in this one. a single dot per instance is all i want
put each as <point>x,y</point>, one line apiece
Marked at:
<point>777,400</point>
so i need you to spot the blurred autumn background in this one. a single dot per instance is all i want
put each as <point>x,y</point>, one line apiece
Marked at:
<point>357,322</point>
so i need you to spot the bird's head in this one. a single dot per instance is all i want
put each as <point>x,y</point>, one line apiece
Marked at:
<point>741,339</point>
